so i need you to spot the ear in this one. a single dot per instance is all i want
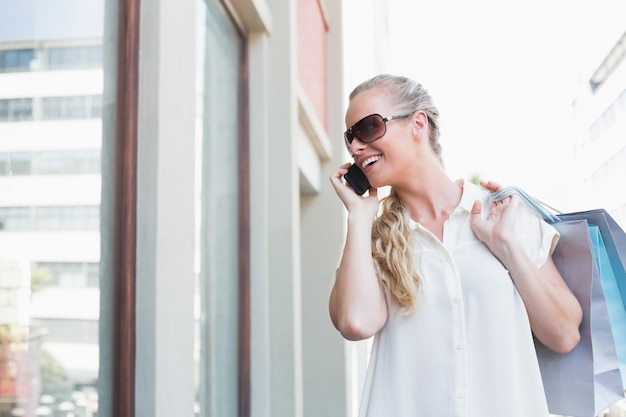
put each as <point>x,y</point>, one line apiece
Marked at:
<point>420,122</point>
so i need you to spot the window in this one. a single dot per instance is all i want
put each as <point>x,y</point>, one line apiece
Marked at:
<point>220,249</point>
<point>52,108</point>
<point>16,60</point>
<point>76,162</point>
<point>67,274</point>
<point>64,330</point>
<point>49,284</point>
<point>16,109</point>
<point>41,218</point>
<point>15,218</point>
<point>54,58</point>
<point>73,57</point>
<point>609,117</point>
<point>72,107</point>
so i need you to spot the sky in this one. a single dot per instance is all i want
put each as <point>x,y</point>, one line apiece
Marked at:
<point>45,19</point>
<point>503,75</point>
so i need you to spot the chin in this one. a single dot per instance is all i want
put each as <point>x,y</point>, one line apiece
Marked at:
<point>378,184</point>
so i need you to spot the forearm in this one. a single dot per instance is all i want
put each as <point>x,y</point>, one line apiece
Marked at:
<point>357,303</point>
<point>553,311</point>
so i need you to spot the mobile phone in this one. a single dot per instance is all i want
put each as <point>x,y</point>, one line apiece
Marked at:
<point>357,179</point>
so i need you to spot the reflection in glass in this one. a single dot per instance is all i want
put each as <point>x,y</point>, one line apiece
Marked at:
<point>49,206</point>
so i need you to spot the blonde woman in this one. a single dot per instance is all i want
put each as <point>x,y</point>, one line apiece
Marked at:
<point>452,286</point>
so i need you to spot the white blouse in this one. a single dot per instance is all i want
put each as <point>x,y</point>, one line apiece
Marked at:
<point>467,350</point>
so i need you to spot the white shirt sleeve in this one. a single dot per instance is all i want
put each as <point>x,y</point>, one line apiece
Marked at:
<point>537,237</point>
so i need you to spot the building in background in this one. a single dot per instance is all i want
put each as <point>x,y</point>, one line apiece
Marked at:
<point>50,138</point>
<point>600,152</point>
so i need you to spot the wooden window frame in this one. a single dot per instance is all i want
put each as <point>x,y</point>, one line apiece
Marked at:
<point>125,210</point>
<point>125,219</point>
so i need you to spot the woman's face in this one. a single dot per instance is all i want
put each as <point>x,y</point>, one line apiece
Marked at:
<point>385,160</point>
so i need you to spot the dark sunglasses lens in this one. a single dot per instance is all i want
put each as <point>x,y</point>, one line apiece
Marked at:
<point>369,129</point>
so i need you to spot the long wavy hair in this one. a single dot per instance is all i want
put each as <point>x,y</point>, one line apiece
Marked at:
<point>391,248</point>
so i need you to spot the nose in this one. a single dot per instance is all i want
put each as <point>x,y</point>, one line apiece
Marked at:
<point>356,146</point>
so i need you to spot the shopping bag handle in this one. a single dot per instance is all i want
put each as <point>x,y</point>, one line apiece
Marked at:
<point>548,213</point>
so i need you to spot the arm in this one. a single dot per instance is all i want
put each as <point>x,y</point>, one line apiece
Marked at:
<point>357,304</point>
<point>553,311</point>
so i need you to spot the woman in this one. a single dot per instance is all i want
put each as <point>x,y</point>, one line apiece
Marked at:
<point>452,286</point>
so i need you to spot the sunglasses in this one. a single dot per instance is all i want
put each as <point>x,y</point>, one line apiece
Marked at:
<point>370,128</point>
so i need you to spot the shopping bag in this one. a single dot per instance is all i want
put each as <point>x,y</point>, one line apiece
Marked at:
<point>587,380</point>
<point>609,243</point>
<point>590,253</point>
<point>612,275</point>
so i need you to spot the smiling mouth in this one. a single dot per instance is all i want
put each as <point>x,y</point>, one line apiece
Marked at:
<point>370,161</point>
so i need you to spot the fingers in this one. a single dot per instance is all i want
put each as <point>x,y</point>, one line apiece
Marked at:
<point>491,186</point>
<point>336,177</point>
<point>505,201</point>
<point>343,188</point>
<point>476,208</point>
<point>476,220</point>
<point>342,170</point>
<point>496,207</point>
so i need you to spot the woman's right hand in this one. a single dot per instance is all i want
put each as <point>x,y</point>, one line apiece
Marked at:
<point>354,202</point>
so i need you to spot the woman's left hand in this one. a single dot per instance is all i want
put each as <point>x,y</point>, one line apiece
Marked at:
<point>497,229</point>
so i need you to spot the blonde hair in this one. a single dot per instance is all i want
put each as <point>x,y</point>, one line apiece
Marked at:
<point>391,249</point>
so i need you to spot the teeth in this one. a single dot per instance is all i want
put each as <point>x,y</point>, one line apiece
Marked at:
<point>370,161</point>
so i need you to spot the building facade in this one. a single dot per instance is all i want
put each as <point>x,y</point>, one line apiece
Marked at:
<point>169,235</point>
<point>50,141</point>
<point>600,152</point>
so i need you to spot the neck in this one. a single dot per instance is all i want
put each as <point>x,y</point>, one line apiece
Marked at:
<point>430,196</point>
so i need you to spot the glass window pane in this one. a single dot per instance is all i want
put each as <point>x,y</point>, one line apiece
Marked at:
<point>76,107</point>
<point>218,85</point>
<point>22,109</point>
<point>15,60</point>
<point>15,109</point>
<point>72,107</point>
<point>49,217</point>
<point>52,108</point>
<point>74,162</point>
<point>72,57</point>
<point>4,110</point>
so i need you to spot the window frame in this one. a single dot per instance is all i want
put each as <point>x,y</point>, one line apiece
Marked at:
<point>123,403</point>
<point>125,210</point>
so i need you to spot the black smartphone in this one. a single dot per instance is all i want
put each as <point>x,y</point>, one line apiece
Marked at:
<point>357,179</point>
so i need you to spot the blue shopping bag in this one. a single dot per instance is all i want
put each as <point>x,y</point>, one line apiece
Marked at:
<point>611,273</point>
